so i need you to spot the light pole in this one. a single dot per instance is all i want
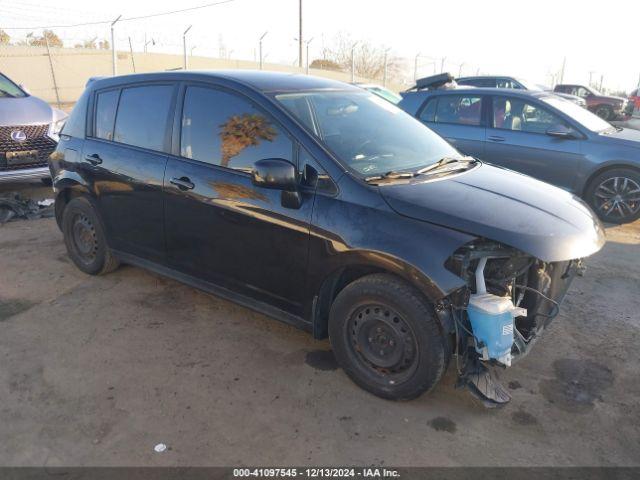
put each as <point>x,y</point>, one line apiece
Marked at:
<point>415,67</point>
<point>442,64</point>
<point>184,45</point>
<point>353,62</point>
<point>260,47</point>
<point>300,36</point>
<point>114,67</point>
<point>460,70</point>
<point>307,44</point>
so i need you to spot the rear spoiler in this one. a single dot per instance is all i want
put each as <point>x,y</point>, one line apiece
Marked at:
<point>442,80</point>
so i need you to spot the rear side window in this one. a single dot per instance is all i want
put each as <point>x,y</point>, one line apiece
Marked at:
<point>76,123</point>
<point>224,129</point>
<point>460,109</point>
<point>428,113</point>
<point>143,113</point>
<point>479,82</point>
<point>106,105</point>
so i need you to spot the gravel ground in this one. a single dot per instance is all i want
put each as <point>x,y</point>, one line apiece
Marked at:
<point>98,370</point>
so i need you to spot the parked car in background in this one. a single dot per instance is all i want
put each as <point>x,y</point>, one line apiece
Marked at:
<point>542,135</point>
<point>323,205</point>
<point>604,106</point>
<point>381,91</point>
<point>29,130</point>
<point>488,81</point>
<point>634,100</point>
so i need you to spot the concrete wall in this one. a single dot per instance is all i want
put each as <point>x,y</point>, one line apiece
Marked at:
<point>73,67</point>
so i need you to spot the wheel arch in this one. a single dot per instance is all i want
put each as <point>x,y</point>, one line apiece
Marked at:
<point>68,187</point>
<point>613,165</point>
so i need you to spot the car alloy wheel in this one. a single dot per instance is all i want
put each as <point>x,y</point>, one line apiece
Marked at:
<point>617,198</point>
<point>382,342</point>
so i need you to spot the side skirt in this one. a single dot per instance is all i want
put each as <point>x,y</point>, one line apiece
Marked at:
<point>216,290</point>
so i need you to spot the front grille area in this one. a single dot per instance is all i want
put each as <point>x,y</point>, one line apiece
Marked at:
<point>37,139</point>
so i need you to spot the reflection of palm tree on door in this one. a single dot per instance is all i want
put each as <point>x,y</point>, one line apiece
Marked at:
<point>242,131</point>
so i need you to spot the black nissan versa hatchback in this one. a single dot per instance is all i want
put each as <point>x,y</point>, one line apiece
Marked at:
<point>327,207</point>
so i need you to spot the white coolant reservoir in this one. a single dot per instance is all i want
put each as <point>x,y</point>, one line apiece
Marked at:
<point>491,319</point>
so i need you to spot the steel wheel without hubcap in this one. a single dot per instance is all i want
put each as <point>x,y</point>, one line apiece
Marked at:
<point>617,198</point>
<point>84,238</point>
<point>382,342</point>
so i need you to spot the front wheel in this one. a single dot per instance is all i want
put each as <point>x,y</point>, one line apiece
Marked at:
<point>604,112</point>
<point>386,337</point>
<point>615,195</point>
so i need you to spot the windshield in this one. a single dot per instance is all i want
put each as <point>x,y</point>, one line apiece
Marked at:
<point>581,115</point>
<point>367,134</point>
<point>9,89</point>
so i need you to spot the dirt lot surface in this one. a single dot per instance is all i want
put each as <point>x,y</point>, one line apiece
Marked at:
<point>98,370</point>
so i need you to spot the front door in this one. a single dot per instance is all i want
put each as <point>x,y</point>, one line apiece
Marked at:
<point>219,226</point>
<point>517,139</point>
<point>124,158</point>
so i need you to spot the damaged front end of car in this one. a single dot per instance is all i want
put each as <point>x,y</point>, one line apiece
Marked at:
<point>509,299</point>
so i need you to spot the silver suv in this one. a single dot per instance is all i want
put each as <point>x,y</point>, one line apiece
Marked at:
<point>29,130</point>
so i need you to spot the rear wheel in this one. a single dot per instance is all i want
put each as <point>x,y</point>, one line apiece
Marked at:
<point>85,239</point>
<point>605,112</point>
<point>386,337</point>
<point>615,195</point>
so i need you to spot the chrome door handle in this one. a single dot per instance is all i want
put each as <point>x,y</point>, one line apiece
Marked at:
<point>183,183</point>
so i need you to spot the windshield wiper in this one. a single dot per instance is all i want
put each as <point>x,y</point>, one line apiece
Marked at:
<point>392,175</point>
<point>445,161</point>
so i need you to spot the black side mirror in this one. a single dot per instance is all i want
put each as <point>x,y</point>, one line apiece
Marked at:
<point>560,131</point>
<point>276,173</point>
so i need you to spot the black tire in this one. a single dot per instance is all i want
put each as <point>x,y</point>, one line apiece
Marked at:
<point>615,195</point>
<point>85,239</point>
<point>409,353</point>
<point>605,112</point>
<point>47,181</point>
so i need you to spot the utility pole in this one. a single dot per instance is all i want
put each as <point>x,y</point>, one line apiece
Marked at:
<point>564,64</point>
<point>415,67</point>
<point>53,73</point>
<point>353,62</point>
<point>260,47</point>
<point>460,70</point>
<point>442,64</point>
<point>601,80</point>
<point>133,63</point>
<point>591,78</point>
<point>300,36</point>
<point>307,43</point>
<point>114,60</point>
<point>184,45</point>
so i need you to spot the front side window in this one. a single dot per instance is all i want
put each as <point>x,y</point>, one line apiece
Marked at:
<point>224,129</point>
<point>366,133</point>
<point>516,114</point>
<point>142,117</point>
<point>106,106</point>
<point>10,89</point>
<point>460,109</point>
<point>479,82</point>
<point>582,92</point>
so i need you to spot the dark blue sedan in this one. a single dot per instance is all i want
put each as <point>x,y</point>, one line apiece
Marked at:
<point>541,135</point>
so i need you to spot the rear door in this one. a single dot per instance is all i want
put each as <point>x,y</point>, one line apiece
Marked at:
<point>517,139</point>
<point>219,226</point>
<point>125,157</point>
<point>459,119</point>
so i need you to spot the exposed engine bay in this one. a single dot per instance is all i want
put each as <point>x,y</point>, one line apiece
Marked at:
<point>509,300</point>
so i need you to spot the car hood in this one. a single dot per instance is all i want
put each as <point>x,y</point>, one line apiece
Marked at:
<point>498,204</point>
<point>24,111</point>
<point>626,136</point>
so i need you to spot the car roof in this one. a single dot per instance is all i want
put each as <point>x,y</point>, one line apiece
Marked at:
<point>485,76</point>
<point>260,80</point>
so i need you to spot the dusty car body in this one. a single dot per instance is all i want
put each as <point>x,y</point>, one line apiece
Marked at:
<point>324,235</point>
<point>28,133</point>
